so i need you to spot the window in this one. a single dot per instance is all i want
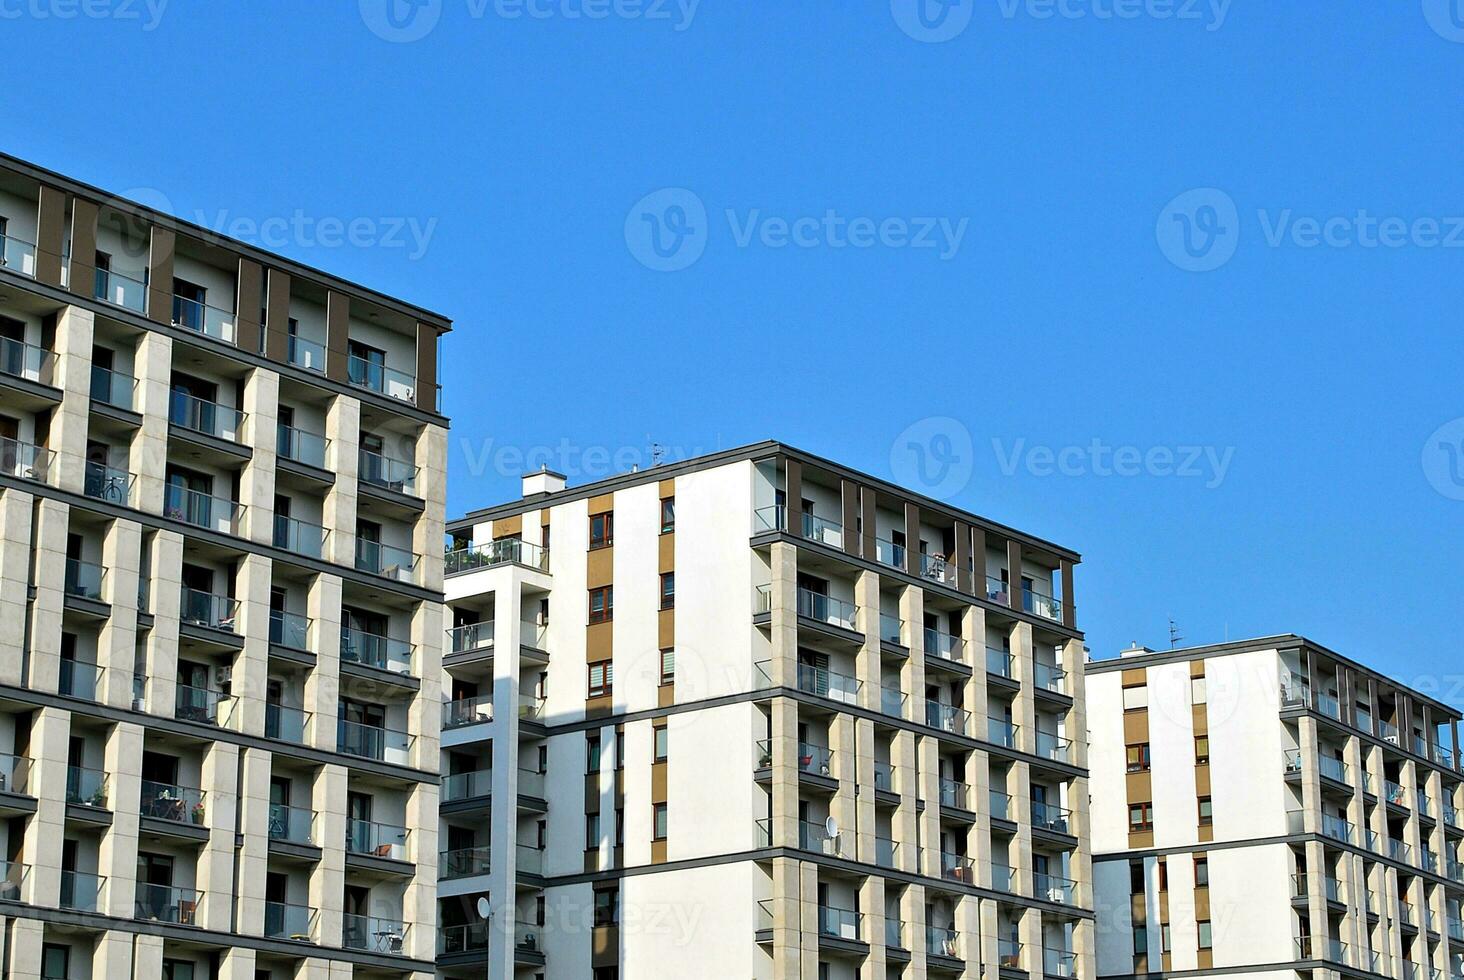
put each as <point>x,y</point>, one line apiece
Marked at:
<point>1138,757</point>
<point>1136,878</point>
<point>619,828</point>
<point>592,831</point>
<point>1163,868</point>
<point>607,906</point>
<point>1135,698</point>
<point>592,754</point>
<point>1202,750</point>
<point>1141,941</point>
<point>1165,940</point>
<point>602,679</point>
<point>1202,872</point>
<point>668,510</point>
<point>602,530</point>
<point>661,742</point>
<point>55,962</point>
<point>1141,816</point>
<point>1198,692</point>
<point>658,821</point>
<point>602,604</point>
<point>1207,813</point>
<point>1205,936</point>
<point>177,970</point>
<point>668,590</point>
<point>668,666</point>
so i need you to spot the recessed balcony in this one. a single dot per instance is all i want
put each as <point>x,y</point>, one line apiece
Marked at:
<point>375,376</point>
<point>121,290</point>
<point>111,387</point>
<point>191,314</point>
<point>296,923</point>
<point>301,446</point>
<point>206,418</point>
<point>376,743</point>
<point>25,461</point>
<point>109,484</point>
<point>504,551</point>
<point>172,803</point>
<point>166,903</point>
<point>26,362</point>
<point>300,537</point>
<point>388,561</point>
<point>374,934</point>
<point>373,650</point>
<point>198,509</point>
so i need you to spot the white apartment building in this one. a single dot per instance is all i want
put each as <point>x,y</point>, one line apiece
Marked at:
<point>222,495</point>
<point>759,715</point>
<point>1272,808</point>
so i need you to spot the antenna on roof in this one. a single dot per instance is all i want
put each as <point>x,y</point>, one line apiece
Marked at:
<point>1174,636</point>
<point>658,454</point>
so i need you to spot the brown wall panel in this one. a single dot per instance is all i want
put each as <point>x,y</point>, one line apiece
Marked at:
<point>1014,574</point>
<point>1069,607</point>
<point>508,527</point>
<point>83,274</point>
<point>912,539</point>
<point>51,235</point>
<point>602,504</point>
<point>600,568</point>
<point>849,515</point>
<point>964,576</point>
<point>337,335</point>
<point>427,341</point>
<point>160,275</point>
<point>277,316</point>
<point>248,304</point>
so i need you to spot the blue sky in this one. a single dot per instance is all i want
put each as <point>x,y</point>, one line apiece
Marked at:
<point>1059,311</point>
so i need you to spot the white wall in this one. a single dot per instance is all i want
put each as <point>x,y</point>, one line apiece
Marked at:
<point>676,923</point>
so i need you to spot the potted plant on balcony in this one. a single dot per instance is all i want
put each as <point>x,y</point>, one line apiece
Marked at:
<point>198,813</point>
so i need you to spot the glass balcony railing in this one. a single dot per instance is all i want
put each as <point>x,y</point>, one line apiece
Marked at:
<point>945,646</point>
<point>470,938</point>
<point>372,742</point>
<point>113,388</point>
<point>828,684</point>
<point>467,785</point>
<point>79,679</point>
<point>1333,768</point>
<point>465,862</point>
<point>531,782</point>
<point>891,629</point>
<point>1059,963</point>
<point>373,650</point>
<point>826,609</point>
<point>467,711</point>
<point>886,552</point>
<point>293,922</point>
<point>947,717</point>
<point>1398,850</point>
<point>81,891</point>
<point>84,579</point>
<point>25,461</point>
<point>382,840</point>
<point>292,824</point>
<point>1052,818</point>
<point>378,377</point>
<point>529,859</point>
<point>385,560</point>
<point>1052,746</point>
<point>957,867</point>
<point>17,255</point>
<point>102,482</point>
<point>1001,806</point>
<point>202,318</point>
<point>1394,793</point>
<point>999,662</point>
<point>1001,733</point>
<point>815,759</point>
<point>201,510</point>
<point>884,776</point>
<point>815,837</point>
<point>1041,605</point>
<point>300,537</point>
<point>178,804</point>
<point>287,629</point>
<point>470,636</point>
<point>165,903</point>
<point>15,774</point>
<point>301,446</point>
<point>374,934</point>
<point>218,612</point>
<point>121,290</point>
<point>1053,888</point>
<point>502,552</point>
<point>997,591</point>
<point>894,934</point>
<point>813,528</point>
<point>305,354</point>
<point>942,941</point>
<point>1049,677</point>
<point>530,707</point>
<point>386,472</point>
<point>208,418</point>
<point>839,923</point>
<point>886,852</point>
<point>286,724</point>
<point>86,787</point>
<point>1337,828</point>
<point>892,701</point>
<point>1009,954</point>
<point>528,937</point>
<point>22,360</point>
<point>199,704</point>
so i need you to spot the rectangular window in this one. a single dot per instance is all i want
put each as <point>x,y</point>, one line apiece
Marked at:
<point>602,531</point>
<point>1138,757</point>
<point>1141,816</point>
<point>602,604</point>
<point>1198,692</point>
<point>668,666</point>
<point>1202,750</point>
<point>1207,813</point>
<point>661,741</point>
<point>668,515</point>
<point>668,590</point>
<point>1202,872</point>
<point>1165,938</point>
<point>1135,698</point>
<point>1141,941</point>
<point>658,816</point>
<point>602,679</point>
<point>592,751</point>
<point>1205,936</point>
<point>592,831</point>
<point>55,962</point>
<point>607,906</point>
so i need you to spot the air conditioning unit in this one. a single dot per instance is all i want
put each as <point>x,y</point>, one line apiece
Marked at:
<point>222,676</point>
<point>1391,739</point>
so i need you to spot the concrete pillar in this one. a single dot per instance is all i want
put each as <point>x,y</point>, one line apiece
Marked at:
<point>968,933</point>
<point>784,788</point>
<point>1085,949</point>
<point>117,640</point>
<point>427,534</point>
<point>220,815</point>
<point>112,955</point>
<point>787,920</point>
<point>253,853</point>
<point>261,405</point>
<point>1024,705</point>
<point>26,938</point>
<point>237,963</point>
<point>250,682</point>
<point>867,659</point>
<point>990,923</point>
<point>865,812</point>
<point>161,645</point>
<point>48,577</point>
<point>343,435</point>
<point>45,831</point>
<point>328,798</point>
<point>1019,785</point>
<point>15,545</point>
<point>784,667</point>
<point>152,367</point>
<point>912,911</point>
<point>1030,931</point>
<point>912,671</point>
<point>117,855</point>
<point>322,684</point>
<point>857,840</point>
<point>424,713</point>
<point>808,918</point>
<point>973,635</point>
<point>927,771</point>
<point>419,902</point>
<point>904,758</point>
<point>872,905</point>
<point>73,347</point>
<point>147,956</point>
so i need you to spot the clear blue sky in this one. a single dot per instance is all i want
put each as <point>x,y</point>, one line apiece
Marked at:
<point>1317,373</point>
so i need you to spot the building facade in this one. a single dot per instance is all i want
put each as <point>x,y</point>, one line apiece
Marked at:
<point>222,493</point>
<point>758,715</point>
<point>1269,807</point>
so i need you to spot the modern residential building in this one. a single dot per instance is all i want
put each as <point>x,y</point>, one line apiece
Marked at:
<point>1270,808</point>
<point>222,492</point>
<point>758,715</point>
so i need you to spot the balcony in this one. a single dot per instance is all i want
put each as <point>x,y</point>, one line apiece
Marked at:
<point>810,527</point>
<point>470,636</point>
<point>1008,954</point>
<point>1051,818</point>
<point>837,923</point>
<point>467,785</point>
<point>1398,850</point>
<point>81,891</point>
<point>300,537</point>
<point>374,650</point>
<point>25,461</point>
<point>305,354</point>
<point>287,629</point>
<point>374,934</point>
<point>884,777</point>
<point>385,560</point>
<point>376,743</point>
<point>1059,963</point>
<point>891,629</point>
<point>999,663</point>
<point>26,361</point>
<point>1001,733</point>
<point>1333,768</point>
<point>465,712</point>
<point>113,388</point>
<point>199,704</point>
<point>997,591</point>
<point>945,646</point>
<point>1049,678</point>
<point>286,724</point>
<point>815,837</point>
<point>469,938</point>
<point>85,787</point>
<point>1041,605</point>
<point>1052,746</point>
<point>293,922</point>
<point>79,679</point>
<point>947,717</point>
<point>164,903</point>
<point>120,290</point>
<point>205,417</point>
<point>529,859</point>
<point>826,609</point>
<point>303,447</point>
<point>815,759</point>
<point>378,840</point>
<point>937,568</point>
<point>201,510</point>
<point>210,321</point>
<point>102,482</point>
<point>1394,794</point>
<point>892,701</point>
<point>386,472</point>
<point>1053,888</point>
<point>377,377</point>
<point>886,552</point>
<point>17,255</point>
<point>175,804</point>
<point>292,825</point>
<point>942,941</point>
<point>466,862</point>
<point>957,867</point>
<point>828,684</point>
<point>505,551</point>
<point>84,579</point>
<point>215,612</point>
<point>954,794</point>
<point>886,853</point>
<point>1001,807</point>
<point>1338,829</point>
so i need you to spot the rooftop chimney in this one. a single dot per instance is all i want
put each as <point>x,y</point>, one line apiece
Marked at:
<point>543,483</point>
<point>1135,650</point>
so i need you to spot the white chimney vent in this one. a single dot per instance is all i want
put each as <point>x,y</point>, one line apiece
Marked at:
<point>543,483</point>
<point>1135,651</point>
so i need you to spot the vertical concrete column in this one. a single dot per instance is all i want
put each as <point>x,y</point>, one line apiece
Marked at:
<point>1085,948</point>
<point>117,855</point>
<point>867,659</point>
<point>428,532</point>
<point>424,712</point>
<point>250,682</point>
<point>253,855</point>
<point>872,905</point>
<point>973,636</point>
<point>112,955</point>
<point>912,671</point>
<point>968,935</point>
<point>785,790</point>
<point>313,968</point>
<point>787,920</point>
<point>261,408</point>
<point>237,963</point>
<point>865,813</point>
<point>991,941</point>
<point>904,757</point>
<point>45,831</point>
<point>147,956</point>
<point>912,912</point>
<point>978,800</point>
<point>1311,780</point>
<point>327,878</point>
<point>1024,705</point>
<point>1030,932</point>
<point>342,457</point>
<point>27,936</point>
<point>419,902</point>
<point>15,543</point>
<point>220,780</point>
<point>808,918</point>
<point>74,329</point>
<point>1316,895</point>
<point>322,684</point>
<point>1075,670</point>
<point>49,574</point>
<point>1077,802</point>
<point>117,640</point>
<point>858,840</point>
<point>161,648</point>
<point>1020,788</point>
<point>927,768</point>
<point>784,625</point>
<point>153,367</point>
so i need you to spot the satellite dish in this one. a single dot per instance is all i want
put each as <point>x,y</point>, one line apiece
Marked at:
<point>831,828</point>
<point>485,908</point>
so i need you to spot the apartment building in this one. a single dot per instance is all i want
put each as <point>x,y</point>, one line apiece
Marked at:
<point>222,494</point>
<point>1268,808</point>
<point>759,715</point>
